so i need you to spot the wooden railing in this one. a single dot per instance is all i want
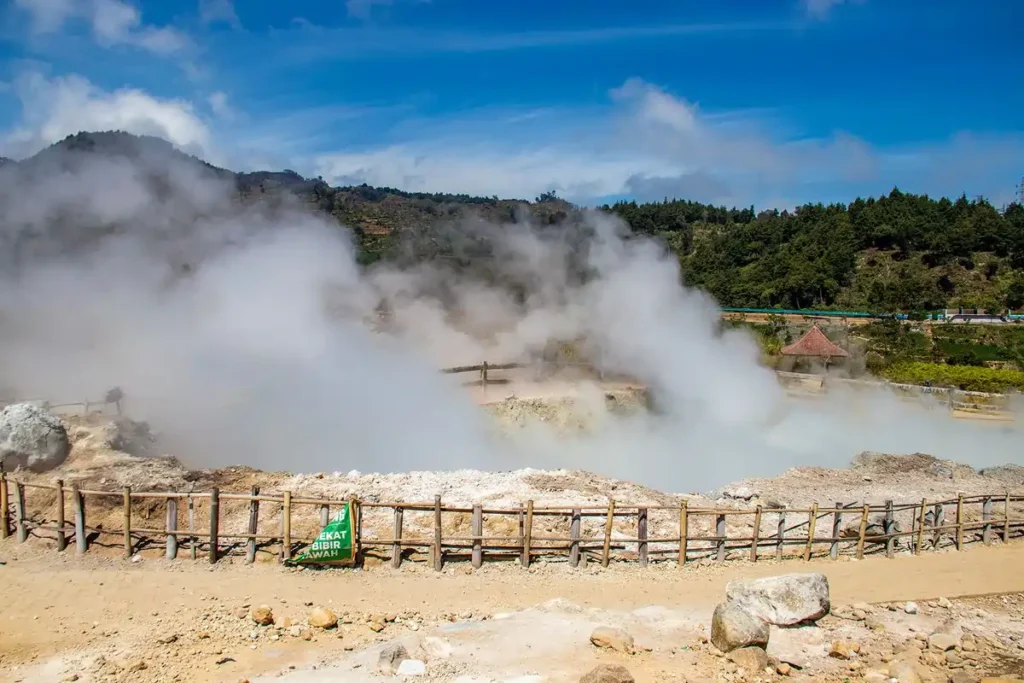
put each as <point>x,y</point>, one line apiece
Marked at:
<point>553,533</point>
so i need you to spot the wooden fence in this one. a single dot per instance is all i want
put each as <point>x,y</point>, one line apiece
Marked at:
<point>526,533</point>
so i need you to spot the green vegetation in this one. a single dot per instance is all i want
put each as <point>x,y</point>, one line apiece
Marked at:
<point>961,376</point>
<point>897,253</point>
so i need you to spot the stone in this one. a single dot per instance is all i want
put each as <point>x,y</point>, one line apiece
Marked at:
<point>953,658</point>
<point>613,639</point>
<point>783,669</point>
<point>295,631</point>
<point>797,646</point>
<point>32,438</point>
<point>942,641</point>
<point>321,617</point>
<point>944,603</point>
<point>732,628</point>
<point>436,648</point>
<point>376,625</point>
<point>784,600</point>
<point>904,672</point>
<point>910,608</point>
<point>874,624</point>
<point>411,667</point>
<point>262,615</point>
<point>843,649</point>
<point>752,659</point>
<point>391,657</point>
<point>607,673</point>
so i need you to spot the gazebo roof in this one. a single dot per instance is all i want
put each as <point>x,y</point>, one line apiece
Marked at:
<point>815,343</point>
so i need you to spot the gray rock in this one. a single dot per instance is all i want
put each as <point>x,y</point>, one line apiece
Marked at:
<point>608,673</point>
<point>783,600</point>
<point>732,628</point>
<point>391,657</point>
<point>32,438</point>
<point>1008,474</point>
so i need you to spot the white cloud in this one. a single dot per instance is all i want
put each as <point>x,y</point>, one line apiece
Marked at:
<point>216,11</point>
<point>820,9</point>
<point>112,22</point>
<point>650,144</point>
<point>218,102</point>
<point>52,109</point>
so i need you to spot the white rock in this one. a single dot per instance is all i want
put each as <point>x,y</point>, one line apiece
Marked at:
<point>910,608</point>
<point>411,667</point>
<point>783,600</point>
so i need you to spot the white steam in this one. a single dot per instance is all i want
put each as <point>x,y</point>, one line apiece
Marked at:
<point>239,334</point>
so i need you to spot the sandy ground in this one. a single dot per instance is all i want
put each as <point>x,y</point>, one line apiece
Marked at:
<point>157,621</point>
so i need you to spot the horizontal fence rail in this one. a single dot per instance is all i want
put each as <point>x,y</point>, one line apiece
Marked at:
<point>213,524</point>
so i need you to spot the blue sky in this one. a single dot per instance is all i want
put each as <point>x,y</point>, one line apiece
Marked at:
<point>737,102</point>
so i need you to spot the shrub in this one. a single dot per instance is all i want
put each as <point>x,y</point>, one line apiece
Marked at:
<point>969,378</point>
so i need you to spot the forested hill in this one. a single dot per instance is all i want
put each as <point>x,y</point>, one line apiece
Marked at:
<point>900,252</point>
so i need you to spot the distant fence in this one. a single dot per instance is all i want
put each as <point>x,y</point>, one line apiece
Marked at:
<point>968,402</point>
<point>525,533</point>
<point>72,408</point>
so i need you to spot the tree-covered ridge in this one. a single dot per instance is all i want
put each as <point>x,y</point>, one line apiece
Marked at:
<point>901,252</point>
<point>897,253</point>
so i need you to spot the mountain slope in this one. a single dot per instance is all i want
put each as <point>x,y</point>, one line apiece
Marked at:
<point>900,252</point>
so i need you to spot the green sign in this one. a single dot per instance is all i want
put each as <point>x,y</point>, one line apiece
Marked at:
<point>335,544</point>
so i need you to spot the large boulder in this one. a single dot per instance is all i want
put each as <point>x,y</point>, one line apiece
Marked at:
<point>783,600</point>
<point>32,438</point>
<point>733,628</point>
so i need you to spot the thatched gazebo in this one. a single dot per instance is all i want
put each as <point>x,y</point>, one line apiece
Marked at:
<point>815,344</point>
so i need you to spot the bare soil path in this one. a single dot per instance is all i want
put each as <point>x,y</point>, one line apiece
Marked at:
<point>59,609</point>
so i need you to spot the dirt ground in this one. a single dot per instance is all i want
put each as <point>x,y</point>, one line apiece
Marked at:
<point>114,620</point>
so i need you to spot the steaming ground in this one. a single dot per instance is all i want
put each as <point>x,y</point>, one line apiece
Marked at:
<point>239,334</point>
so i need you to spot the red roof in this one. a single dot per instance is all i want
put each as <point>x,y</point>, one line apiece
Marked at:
<point>815,343</point>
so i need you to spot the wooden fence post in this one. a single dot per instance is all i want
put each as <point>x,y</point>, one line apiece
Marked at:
<point>720,532</point>
<point>574,538</point>
<point>889,528</point>
<point>960,521</point>
<point>863,531</point>
<point>172,528</point>
<point>478,532</point>
<point>1006,521</point>
<point>812,522</point>
<point>214,523</point>
<point>837,528</point>
<point>684,523</point>
<point>920,528</point>
<point>396,547</point>
<point>286,525</point>
<point>19,512</point>
<point>62,538</point>
<point>986,516</point>
<point>756,535</point>
<point>780,535</point>
<point>325,515</point>
<point>606,554</point>
<point>437,534</point>
<point>192,550</point>
<point>5,512</point>
<point>641,533</point>
<point>78,502</point>
<point>127,521</point>
<point>254,524</point>
<point>357,546</point>
<point>528,535</point>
